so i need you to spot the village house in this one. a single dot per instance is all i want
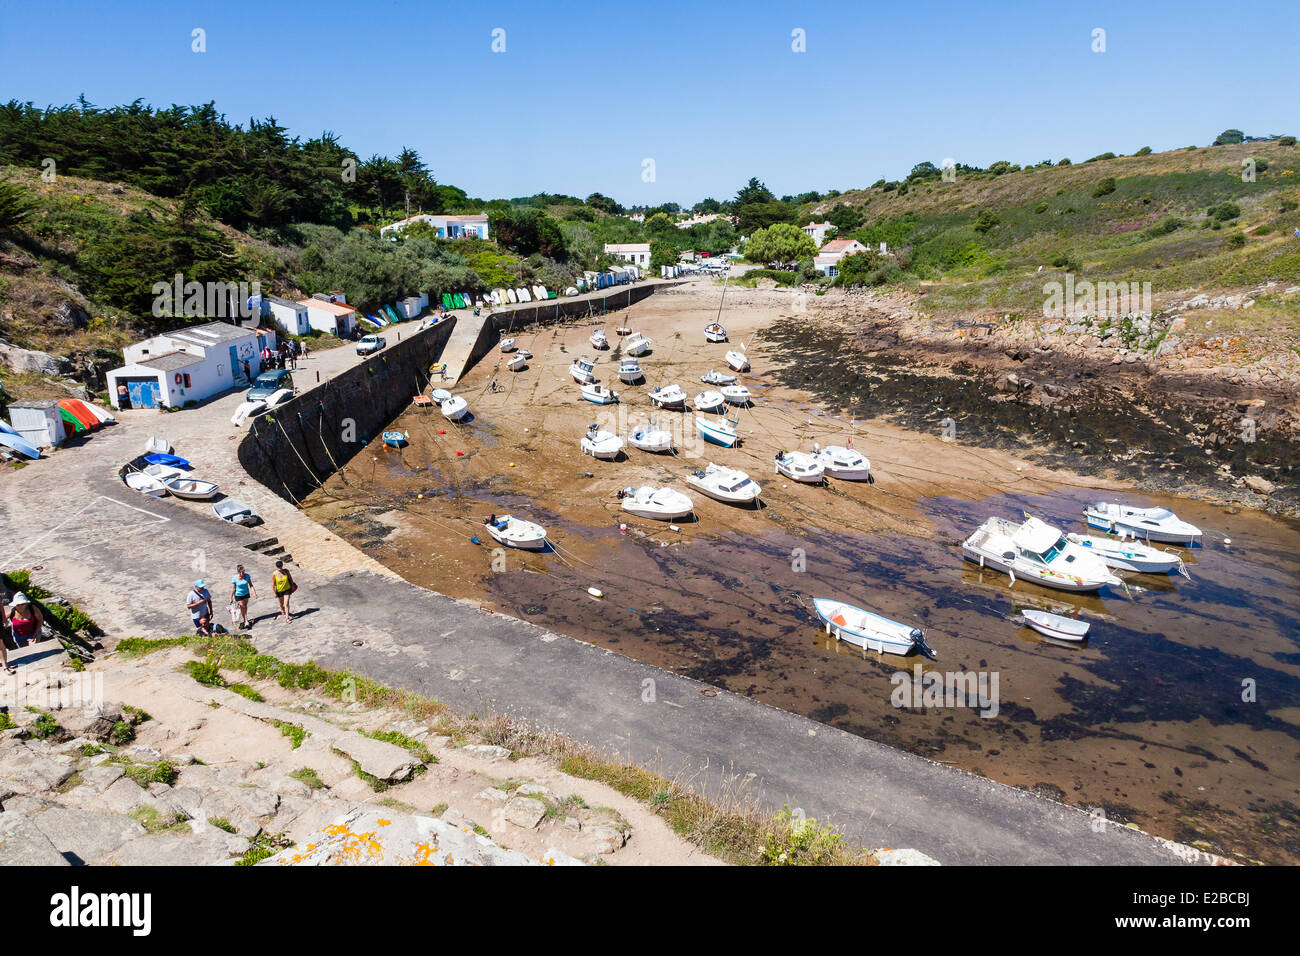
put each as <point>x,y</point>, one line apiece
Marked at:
<point>446,226</point>
<point>637,253</point>
<point>189,365</point>
<point>325,314</point>
<point>817,230</point>
<point>828,257</point>
<point>288,315</point>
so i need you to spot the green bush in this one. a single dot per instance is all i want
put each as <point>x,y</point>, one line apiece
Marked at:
<point>207,672</point>
<point>1163,227</point>
<point>1144,151</point>
<point>1225,211</point>
<point>1286,140</point>
<point>986,220</point>
<point>1104,188</point>
<point>1236,240</point>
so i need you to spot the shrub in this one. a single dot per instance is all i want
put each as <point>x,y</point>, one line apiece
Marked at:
<point>1225,211</point>
<point>1286,141</point>
<point>1236,240</point>
<point>1041,207</point>
<point>1163,227</point>
<point>206,672</point>
<point>1064,162</point>
<point>1144,151</point>
<point>1100,156</point>
<point>986,220</point>
<point>1104,188</point>
<point>1261,163</point>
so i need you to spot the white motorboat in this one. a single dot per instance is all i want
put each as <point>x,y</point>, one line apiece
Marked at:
<point>736,394</point>
<point>636,344</point>
<point>516,532</point>
<point>668,396</point>
<point>709,401</point>
<point>581,370</point>
<point>598,394</point>
<point>629,370</point>
<point>164,472</point>
<point>145,484</point>
<point>800,466</point>
<point>524,352</point>
<point>715,333</point>
<point>843,463</point>
<point>651,439</point>
<point>194,489</point>
<point>455,408</point>
<point>714,377</point>
<point>246,410</point>
<point>507,345</point>
<point>599,444</point>
<point>665,504</point>
<point>724,484</point>
<point>718,431</point>
<point>236,512</point>
<point>1055,626</point>
<point>871,632</point>
<point>599,340</point>
<point>738,360</point>
<point>1035,551</point>
<point>440,395</point>
<point>1149,524</point>
<point>1126,554</point>
<point>517,362</point>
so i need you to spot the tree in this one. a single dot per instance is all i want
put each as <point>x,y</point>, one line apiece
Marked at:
<point>780,242</point>
<point>845,218</point>
<point>753,192</point>
<point>662,254</point>
<point>15,207</point>
<point>926,170</point>
<point>754,216</point>
<point>604,204</point>
<point>1229,136</point>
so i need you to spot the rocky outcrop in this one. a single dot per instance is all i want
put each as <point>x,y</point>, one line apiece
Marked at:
<point>32,361</point>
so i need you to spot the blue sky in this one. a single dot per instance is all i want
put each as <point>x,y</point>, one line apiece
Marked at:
<point>712,92</point>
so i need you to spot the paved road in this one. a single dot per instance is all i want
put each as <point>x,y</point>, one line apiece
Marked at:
<point>129,559</point>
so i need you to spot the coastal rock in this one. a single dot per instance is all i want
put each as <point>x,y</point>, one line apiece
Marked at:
<point>889,857</point>
<point>486,751</point>
<point>23,844</point>
<point>32,361</point>
<point>1260,485</point>
<point>525,812</point>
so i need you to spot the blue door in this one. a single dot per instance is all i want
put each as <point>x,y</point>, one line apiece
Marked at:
<point>143,392</point>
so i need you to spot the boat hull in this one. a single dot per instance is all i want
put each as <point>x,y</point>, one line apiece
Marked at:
<point>887,637</point>
<point>1117,526</point>
<point>1022,574</point>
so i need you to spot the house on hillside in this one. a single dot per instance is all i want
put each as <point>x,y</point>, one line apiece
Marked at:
<point>637,253</point>
<point>828,257</point>
<point>445,226</point>
<point>334,318</point>
<point>189,365</point>
<point>817,230</point>
<point>288,315</point>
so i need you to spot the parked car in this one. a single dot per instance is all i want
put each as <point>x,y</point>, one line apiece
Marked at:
<point>370,344</point>
<point>268,383</point>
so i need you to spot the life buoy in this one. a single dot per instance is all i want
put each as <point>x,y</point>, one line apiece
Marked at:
<point>178,378</point>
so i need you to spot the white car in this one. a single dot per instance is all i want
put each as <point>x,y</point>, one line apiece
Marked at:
<point>370,344</point>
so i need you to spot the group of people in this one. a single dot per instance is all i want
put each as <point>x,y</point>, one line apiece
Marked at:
<point>21,623</point>
<point>286,356</point>
<point>199,600</point>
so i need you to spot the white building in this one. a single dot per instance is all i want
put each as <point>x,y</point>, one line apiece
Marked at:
<point>288,315</point>
<point>697,220</point>
<point>448,227</point>
<point>828,258</point>
<point>38,420</point>
<point>817,230</point>
<point>189,365</point>
<point>328,316</point>
<point>637,253</point>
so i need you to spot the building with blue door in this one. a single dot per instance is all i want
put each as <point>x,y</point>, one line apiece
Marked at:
<point>188,365</point>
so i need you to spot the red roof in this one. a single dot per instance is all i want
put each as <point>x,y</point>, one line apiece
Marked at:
<point>837,245</point>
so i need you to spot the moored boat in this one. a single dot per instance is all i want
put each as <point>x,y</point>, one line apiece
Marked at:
<point>651,439</point>
<point>599,340</point>
<point>709,400</point>
<point>601,444</point>
<point>715,333</point>
<point>394,439</point>
<point>1035,551</point>
<point>738,360</point>
<point>724,484</point>
<point>843,463</point>
<point>194,489</point>
<point>516,532</point>
<point>668,396</point>
<point>629,370</point>
<point>736,394</point>
<point>582,370</point>
<point>1055,626</point>
<point>455,408</point>
<point>636,344</point>
<point>868,630</point>
<point>517,362</point>
<point>714,377</point>
<point>663,504</point>
<point>800,466</point>
<point>598,394</point>
<point>717,431</point>
<point>507,345</point>
<point>145,484</point>
<point>1129,554</point>
<point>1149,524</point>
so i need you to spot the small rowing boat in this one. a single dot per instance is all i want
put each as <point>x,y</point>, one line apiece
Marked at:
<point>1055,626</point>
<point>236,512</point>
<point>715,333</point>
<point>193,489</point>
<point>145,484</point>
<point>870,631</point>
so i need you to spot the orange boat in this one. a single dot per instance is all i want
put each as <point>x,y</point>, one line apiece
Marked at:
<point>78,410</point>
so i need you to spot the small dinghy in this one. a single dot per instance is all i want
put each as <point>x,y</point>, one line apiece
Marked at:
<point>236,512</point>
<point>160,458</point>
<point>394,439</point>
<point>1149,524</point>
<point>663,504</point>
<point>715,333</point>
<point>651,439</point>
<point>455,408</point>
<point>1035,551</point>
<point>517,362</point>
<point>714,377</point>
<point>16,442</point>
<point>581,370</point>
<point>516,532</point>
<point>738,360</point>
<point>717,431</point>
<point>507,345</point>
<point>1055,626</point>
<point>246,410</point>
<point>724,484</point>
<point>163,472</point>
<point>636,344</point>
<point>668,396</point>
<point>104,416</point>
<point>440,395</point>
<point>145,484</point>
<point>623,330</point>
<point>843,463</point>
<point>629,370</point>
<point>800,466</point>
<point>871,632</point>
<point>709,401</point>
<point>599,444</point>
<point>599,340</point>
<point>1130,555</point>
<point>598,394</point>
<point>736,394</point>
<point>193,489</point>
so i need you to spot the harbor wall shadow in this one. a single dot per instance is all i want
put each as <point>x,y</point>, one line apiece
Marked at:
<point>295,447</point>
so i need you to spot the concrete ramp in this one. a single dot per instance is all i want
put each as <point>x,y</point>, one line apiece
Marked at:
<point>458,353</point>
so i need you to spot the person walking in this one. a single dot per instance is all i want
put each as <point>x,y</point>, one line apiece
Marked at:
<point>283,584</point>
<point>199,603</point>
<point>241,589</point>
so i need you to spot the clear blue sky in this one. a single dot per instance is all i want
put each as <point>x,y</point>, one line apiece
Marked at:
<point>712,92</point>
